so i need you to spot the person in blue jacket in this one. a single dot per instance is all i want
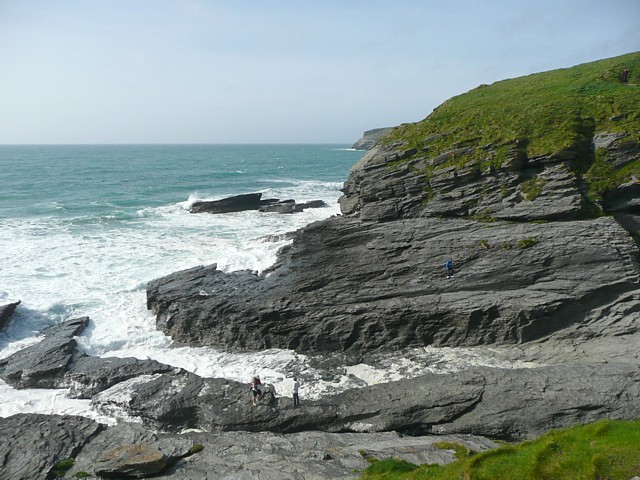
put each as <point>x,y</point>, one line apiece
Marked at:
<point>449,266</point>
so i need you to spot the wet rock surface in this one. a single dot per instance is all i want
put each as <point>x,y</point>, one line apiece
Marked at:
<point>6,312</point>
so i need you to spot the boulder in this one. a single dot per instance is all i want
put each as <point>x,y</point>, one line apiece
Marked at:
<point>130,441</point>
<point>6,311</point>
<point>133,460</point>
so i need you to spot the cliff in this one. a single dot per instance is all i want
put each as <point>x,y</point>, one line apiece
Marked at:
<point>520,182</point>
<point>557,145</point>
<point>371,137</point>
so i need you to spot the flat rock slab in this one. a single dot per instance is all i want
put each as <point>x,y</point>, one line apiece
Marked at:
<point>32,444</point>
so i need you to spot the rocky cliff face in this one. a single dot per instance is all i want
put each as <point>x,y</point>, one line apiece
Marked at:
<point>525,211</point>
<point>371,137</point>
<point>353,286</point>
<point>391,181</point>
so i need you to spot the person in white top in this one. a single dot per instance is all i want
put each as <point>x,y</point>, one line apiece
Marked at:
<point>296,386</point>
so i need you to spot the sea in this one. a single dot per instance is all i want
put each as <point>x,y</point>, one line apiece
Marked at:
<point>83,228</point>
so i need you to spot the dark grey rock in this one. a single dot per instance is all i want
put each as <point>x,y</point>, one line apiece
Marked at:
<point>450,190</point>
<point>309,455</point>
<point>236,203</point>
<point>6,312</point>
<point>55,362</point>
<point>87,376</point>
<point>32,444</point>
<point>170,447</point>
<point>165,401</point>
<point>310,204</point>
<point>345,285</point>
<point>43,365</point>
<point>253,201</point>
<point>624,199</point>
<point>619,149</point>
<point>281,207</point>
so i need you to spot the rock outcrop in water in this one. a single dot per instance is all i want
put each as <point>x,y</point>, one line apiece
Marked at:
<point>6,312</point>
<point>252,201</point>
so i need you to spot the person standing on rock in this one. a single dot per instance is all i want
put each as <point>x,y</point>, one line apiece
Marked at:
<point>296,387</point>
<point>449,266</point>
<point>255,389</point>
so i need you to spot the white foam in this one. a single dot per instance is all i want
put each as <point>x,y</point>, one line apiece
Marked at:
<point>46,401</point>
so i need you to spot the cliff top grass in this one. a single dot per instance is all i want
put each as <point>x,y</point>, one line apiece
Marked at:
<point>552,113</point>
<point>605,449</point>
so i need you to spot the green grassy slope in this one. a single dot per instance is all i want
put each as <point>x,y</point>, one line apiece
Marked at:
<point>551,114</point>
<point>603,450</point>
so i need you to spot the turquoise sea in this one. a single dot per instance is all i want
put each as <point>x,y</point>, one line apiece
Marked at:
<point>84,228</point>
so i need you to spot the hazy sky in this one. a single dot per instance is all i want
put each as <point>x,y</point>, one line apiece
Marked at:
<point>270,71</point>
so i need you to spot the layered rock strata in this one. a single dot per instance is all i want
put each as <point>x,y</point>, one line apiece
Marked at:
<point>351,286</point>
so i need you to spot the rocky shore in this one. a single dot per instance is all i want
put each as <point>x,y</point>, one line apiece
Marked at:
<point>546,279</point>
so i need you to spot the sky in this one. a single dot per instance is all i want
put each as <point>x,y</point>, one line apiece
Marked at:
<point>274,71</point>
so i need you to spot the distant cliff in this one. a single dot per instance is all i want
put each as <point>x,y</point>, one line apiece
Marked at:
<point>371,137</point>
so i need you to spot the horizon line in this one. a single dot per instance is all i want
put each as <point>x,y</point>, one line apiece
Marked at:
<point>166,144</point>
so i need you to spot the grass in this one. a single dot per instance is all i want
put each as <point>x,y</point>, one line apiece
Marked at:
<point>532,188</point>
<point>553,114</point>
<point>608,449</point>
<point>196,448</point>
<point>528,242</point>
<point>60,469</point>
